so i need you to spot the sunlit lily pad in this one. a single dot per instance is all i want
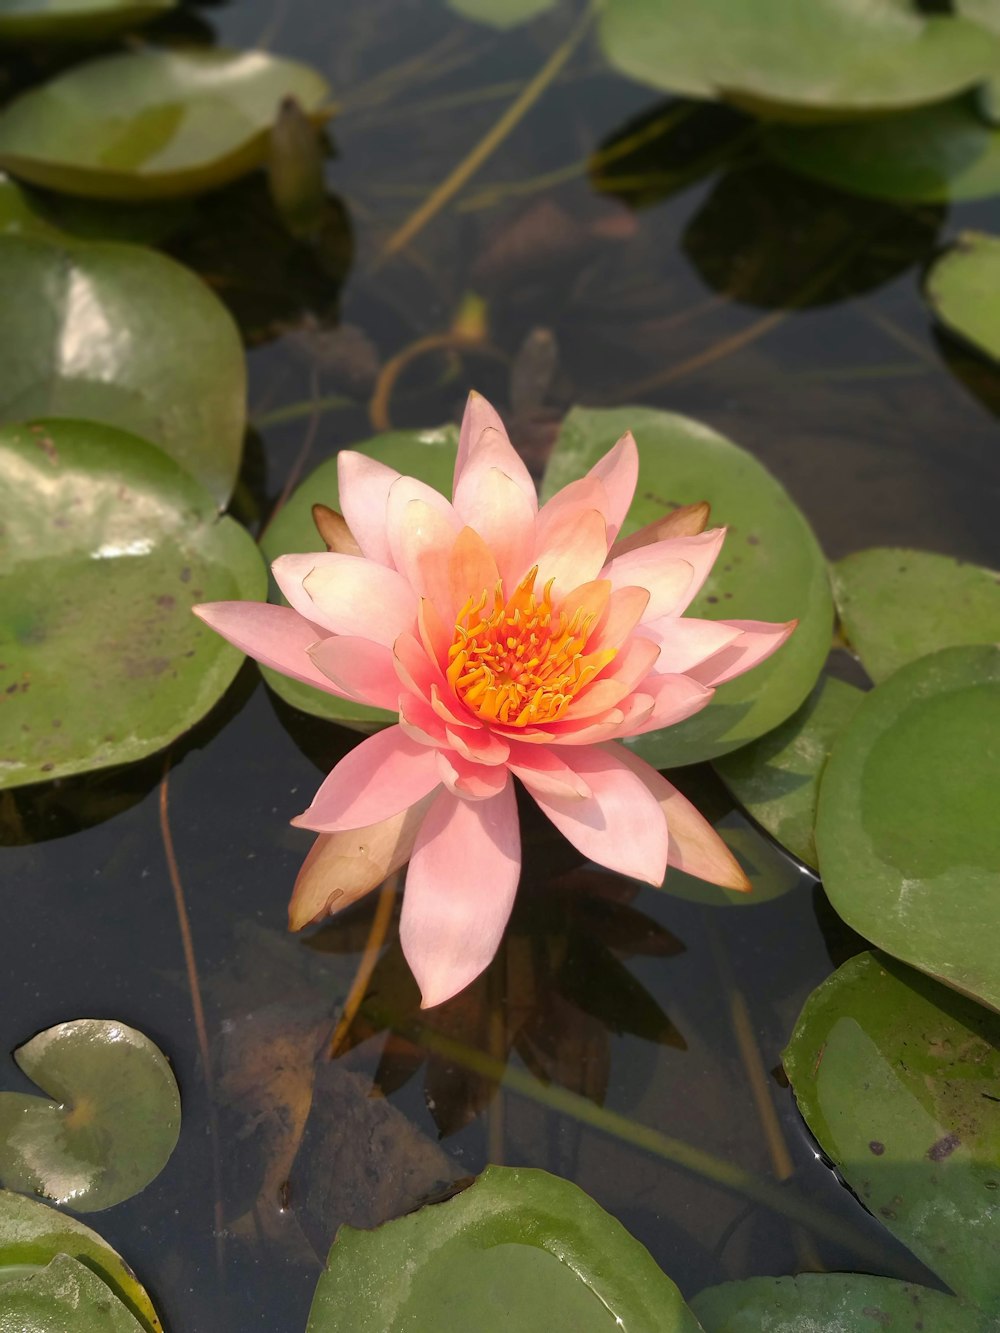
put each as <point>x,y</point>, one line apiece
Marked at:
<point>777,777</point>
<point>523,1249</point>
<point>500,13</point>
<point>153,122</point>
<point>105,546</point>
<point>963,287</point>
<point>771,567</point>
<point>824,1302</point>
<point>907,828</point>
<point>798,60</point>
<point>897,605</point>
<point>429,455</point>
<point>897,1077</point>
<point>111,1126</point>
<point>932,155</point>
<point>63,1297</point>
<point>122,335</point>
<point>32,1234</point>
<point>75,20</point>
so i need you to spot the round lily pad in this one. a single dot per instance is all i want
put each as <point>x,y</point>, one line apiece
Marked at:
<point>63,1297</point>
<point>898,605</point>
<point>963,288</point>
<point>153,123</point>
<point>523,1249</point>
<point>119,334</point>
<point>75,20</point>
<point>896,1077</point>
<point>32,1234</point>
<point>798,60</point>
<point>771,566</point>
<point>105,546</point>
<point>111,1127</point>
<point>428,455</point>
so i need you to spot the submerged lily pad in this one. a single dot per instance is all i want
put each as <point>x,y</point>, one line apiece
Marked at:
<point>501,13</point>
<point>153,123</point>
<point>32,1234</point>
<point>111,1127</point>
<point>63,1297</point>
<point>777,777</point>
<point>428,455</point>
<point>75,20</point>
<point>771,567</point>
<point>106,544</point>
<point>523,1249</point>
<point>907,828</point>
<point>896,1077</point>
<point>798,60</point>
<point>121,335</point>
<point>963,287</point>
<point>830,1301</point>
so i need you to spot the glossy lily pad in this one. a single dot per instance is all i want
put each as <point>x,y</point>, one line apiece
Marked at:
<point>777,777</point>
<point>75,20</point>
<point>63,1297</point>
<point>122,335</point>
<point>963,288</point>
<point>824,1302</point>
<point>896,1077</point>
<point>153,123</point>
<point>898,605</point>
<point>501,13</point>
<point>111,1126</point>
<point>931,155</point>
<point>523,1249</point>
<point>771,567</point>
<point>428,455</point>
<point>796,61</point>
<point>907,828</point>
<point>105,546</point>
<point>32,1234</point>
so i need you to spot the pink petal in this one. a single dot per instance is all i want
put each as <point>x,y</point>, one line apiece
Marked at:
<point>362,669</point>
<point>758,639</point>
<point>496,507</point>
<point>276,636</point>
<point>422,539</point>
<point>478,416</point>
<point>626,607</point>
<point>420,723</point>
<point>384,774</point>
<point>632,665</point>
<point>685,642</point>
<point>483,444</point>
<point>459,891</point>
<point>479,745</point>
<point>364,486</point>
<point>472,571</point>
<point>476,782</point>
<point>695,847</point>
<point>546,771</point>
<point>674,699</point>
<point>573,550</point>
<point>618,471</point>
<point>620,825</point>
<point>666,580</point>
<point>567,504</point>
<point>347,594</point>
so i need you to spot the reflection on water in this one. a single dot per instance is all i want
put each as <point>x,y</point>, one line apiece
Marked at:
<point>616,260</point>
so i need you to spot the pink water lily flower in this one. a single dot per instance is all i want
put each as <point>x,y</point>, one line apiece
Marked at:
<point>512,641</point>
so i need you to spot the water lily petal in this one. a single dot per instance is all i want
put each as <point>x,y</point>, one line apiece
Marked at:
<point>546,771</point>
<point>675,697</point>
<point>459,891</point>
<point>362,669</point>
<point>573,550</point>
<point>472,571</point>
<point>685,641</point>
<point>364,485</point>
<point>757,640</point>
<point>626,607</point>
<point>685,521</point>
<point>496,507</point>
<point>474,781</point>
<point>479,415</point>
<point>665,579</point>
<point>621,677</point>
<point>483,444</point>
<point>382,775</point>
<point>332,528</point>
<point>421,547</point>
<point>276,636</point>
<point>347,594</point>
<point>479,745</point>
<point>618,471</point>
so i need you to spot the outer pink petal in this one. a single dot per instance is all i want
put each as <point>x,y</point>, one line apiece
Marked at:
<point>362,669</point>
<point>364,485</point>
<point>620,825</point>
<point>347,594</point>
<point>674,699</point>
<point>496,507</point>
<point>685,641</point>
<point>459,891</point>
<point>758,639</point>
<point>695,847</point>
<point>384,774</point>
<point>276,636</point>
<point>483,444</point>
<point>618,470</point>
<point>478,416</point>
<point>666,580</point>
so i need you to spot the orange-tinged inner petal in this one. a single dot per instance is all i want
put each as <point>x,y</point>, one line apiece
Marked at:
<point>522,661</point>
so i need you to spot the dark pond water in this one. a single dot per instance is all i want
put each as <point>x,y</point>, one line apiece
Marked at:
<point>783,314</point>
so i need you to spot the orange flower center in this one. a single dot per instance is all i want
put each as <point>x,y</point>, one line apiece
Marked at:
<point>523,662</point>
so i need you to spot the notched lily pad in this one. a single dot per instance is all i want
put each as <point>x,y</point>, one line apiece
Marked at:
<point>963,288</point>
<point>522,1248</point>
<point>105,546</point>
<point>75,20</point>
<point>111,1126</point>
<point>63,1297</point>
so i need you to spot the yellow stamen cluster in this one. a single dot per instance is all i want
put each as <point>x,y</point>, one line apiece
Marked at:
<point>522,662</point>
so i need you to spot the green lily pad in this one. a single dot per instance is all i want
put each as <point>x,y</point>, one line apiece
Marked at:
<point>522,1248</point>
<point>777,777</point>
<point>428,455</point>
<point>932,155</point>
<point>75,20</point>
<point>106,544</point>
<point>24,212</point>
<point>907,829</point>
<point>896,1077</point>
<point>63,1297</point>
<point>121,335</point>
<point>796,61</point>
<point>771,567</point>
<point>111,1127</point>
<point>963,288</point>
<point>501,13</point>
<point>824,1302</point>
<point>898,605</point>
<point>153,123</point>
<point>32,1234</point>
